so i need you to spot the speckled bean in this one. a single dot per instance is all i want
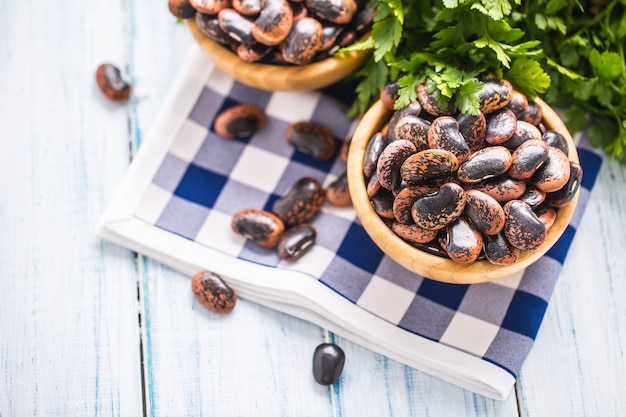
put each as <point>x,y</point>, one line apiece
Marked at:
<point>501,125</point>
<point>473,129</point>
<point>312,139</point>
<point>112,85</point>
<point>404,199</point>
<point>444,134</point>
<point>503,188</point>
<point>301,202</point>
<point>564,196</point>
<point>390,161</point>
<point>527,158</point>
<point>337,192</point>
<point>494,95</point>
<point>239,121</point>
<point>557,140</point>
<point>486,163</point>
<point>413,233</point>
<point>554,173</point>
<point>462,242</point>
<point>260,226</point>
<point>372,152</point>
<point>303,41</point>
<point>484,212</point>
<point>273,23</point>
<point>499,251</point>
<point>412,128</point>
<point>436,211</point>
<point>522,227</point>
<point>427,165</point>
<point>212,292</point>
<point>296,241</point>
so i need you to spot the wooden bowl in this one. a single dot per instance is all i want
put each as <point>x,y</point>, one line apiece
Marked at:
<point>279,77</point>
<point>416,260</point>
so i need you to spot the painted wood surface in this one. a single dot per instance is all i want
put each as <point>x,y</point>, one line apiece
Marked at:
<point>91,329</point>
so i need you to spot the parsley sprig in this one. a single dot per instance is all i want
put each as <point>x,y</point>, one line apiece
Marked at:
<point>569,52</point>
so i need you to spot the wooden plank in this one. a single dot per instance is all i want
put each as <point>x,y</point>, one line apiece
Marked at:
<point>577,365</point>
<point>69,335</point>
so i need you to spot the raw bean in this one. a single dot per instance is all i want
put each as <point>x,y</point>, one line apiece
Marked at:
<point>554,173</point>
<point>247,7</point>
<point>330,34</point>
<point>182,9</point>
<point>499,251</point>
<point>486,163</point>
<point>527,158</point>
<point>111,83</point>
<point>485,213</point>
<point>412,233</point>
<point>212,292</point>
<point>429,103</point>
<point>390,161</point>
<point>462,242</point>
<point>301,202</point>
<point>427,165</point>
<point>296,241</point>
<point>494,95</point>
<point>382,202</point>
<point>239,121</point>
<point>253,53</point>
<point>389,94</point>
<point>405,198</point>
<point>562,197</point>
<point>336,11</point>
<point>236,26</point>
<point>303,41</point>
<point>501,125</point>
<point>436,211</point>
<point>373,185</point>
<point>412,128</point>
<point>533,196</point>
<point>444,134</point>
<point>363,19</point>
<point>473,129</point>
<point>533,114</point>
<point>312,139</point>
<point>414,108</point>
<point>260,226</point>
<point>547,216</point>
<point>274,22</point>
<point>503,188</point>
<point>524,132</point>
<point>337,192</point>
<point>557,140</point>
<point>518,103</point>
<point>210,6</point>
<point>328,362</point>
<point>373,150</point>
<point>522,228</point>
<point>210,26</point>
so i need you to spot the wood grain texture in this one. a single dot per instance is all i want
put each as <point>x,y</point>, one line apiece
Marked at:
<point>69,337</point>
<point>71,323</point>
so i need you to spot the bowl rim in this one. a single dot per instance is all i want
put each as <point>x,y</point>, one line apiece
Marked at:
<point>269,77</point>
<point>423,263</point>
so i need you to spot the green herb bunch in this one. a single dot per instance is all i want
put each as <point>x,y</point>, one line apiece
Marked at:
<point>568,52</point>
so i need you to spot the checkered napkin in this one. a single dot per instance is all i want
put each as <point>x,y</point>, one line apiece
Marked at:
<point>180,192</point>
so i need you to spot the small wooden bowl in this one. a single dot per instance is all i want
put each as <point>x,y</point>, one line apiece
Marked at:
<point>279,77</point>
<point>418,261</point>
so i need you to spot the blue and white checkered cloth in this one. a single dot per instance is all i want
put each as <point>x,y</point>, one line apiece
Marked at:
<point>201,180</point>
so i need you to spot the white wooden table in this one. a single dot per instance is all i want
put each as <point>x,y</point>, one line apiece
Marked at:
<point>90,329</point>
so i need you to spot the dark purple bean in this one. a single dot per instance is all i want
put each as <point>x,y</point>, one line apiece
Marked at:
<point>404,199</point>
<point>461,241</point>
<point>484,212</point>
<point>518,103</point>
<point>564,196</point>
<point>336,11</point>
<point>436,211</point>
<point>533,114</point>
<point>486,163</point>
<point>533,196</point>
<point>473,129</point>
<point>524,132</point>
<point>527,159</point>
<point>296,241</point>
<point>557,140</point>
<point>328,362</point>
<point>501,125</point>
<point>390,161</point>
<point>312,139</point>
<point>444,134</point>
<point>554,173</point>
<point>210,26</point>
<point>382,202</point>
<point>499,251</point>
<point>236,26</point>
<point>301,202</point>
<point>522,227</point>
<point>372,152</point>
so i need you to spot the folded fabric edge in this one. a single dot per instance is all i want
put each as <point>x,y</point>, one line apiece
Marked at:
<point>285,291</point>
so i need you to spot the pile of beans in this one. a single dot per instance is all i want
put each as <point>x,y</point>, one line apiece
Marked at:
<point>287,227</point>
<point>281,32</point>
<point>469,187</point>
